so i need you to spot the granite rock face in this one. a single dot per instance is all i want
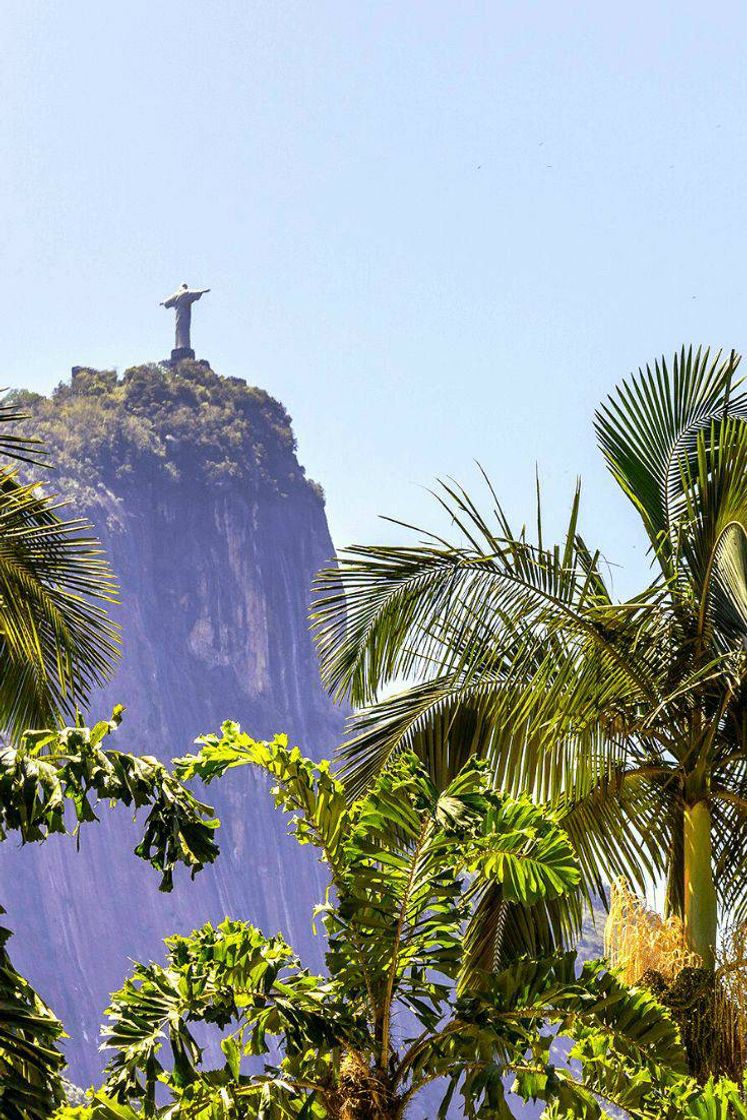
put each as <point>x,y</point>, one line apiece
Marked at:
<point>195,491</point>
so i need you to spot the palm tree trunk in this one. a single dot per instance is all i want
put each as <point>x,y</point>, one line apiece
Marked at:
<point>701,915</point>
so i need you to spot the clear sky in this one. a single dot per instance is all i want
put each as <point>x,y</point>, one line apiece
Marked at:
<point>438,232</point>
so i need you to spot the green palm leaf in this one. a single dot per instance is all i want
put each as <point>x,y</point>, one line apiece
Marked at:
<point>648,428</point>
<point>56,639</point>
<point>30,1062</point>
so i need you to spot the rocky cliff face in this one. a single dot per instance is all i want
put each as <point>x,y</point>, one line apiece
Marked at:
<point>215,534</point>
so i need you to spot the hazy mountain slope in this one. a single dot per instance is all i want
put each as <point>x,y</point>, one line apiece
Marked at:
<point>194,487</point>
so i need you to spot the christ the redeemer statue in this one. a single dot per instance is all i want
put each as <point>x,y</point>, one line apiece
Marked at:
<point>182,301</point>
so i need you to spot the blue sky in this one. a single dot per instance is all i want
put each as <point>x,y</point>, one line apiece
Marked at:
<point>439,232</point>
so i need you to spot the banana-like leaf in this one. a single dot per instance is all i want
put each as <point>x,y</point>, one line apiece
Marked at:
<point>410,861</point>
<point>55,774</point>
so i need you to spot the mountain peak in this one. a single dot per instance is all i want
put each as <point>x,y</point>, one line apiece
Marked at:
<point>176,420</point>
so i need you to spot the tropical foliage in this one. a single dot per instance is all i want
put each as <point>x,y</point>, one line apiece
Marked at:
<point>395,1011</point>
<point>54,775</point>
<point>628,716</point>
<point>53,782</point>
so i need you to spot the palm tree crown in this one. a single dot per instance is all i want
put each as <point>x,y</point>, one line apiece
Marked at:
<point>629,716</point>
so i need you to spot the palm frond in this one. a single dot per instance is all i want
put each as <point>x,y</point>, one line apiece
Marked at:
<point>649,427</point>
<point>18,446</point>
<point>56,639</point>
<point>30,1061</point>
<point>386,613</point>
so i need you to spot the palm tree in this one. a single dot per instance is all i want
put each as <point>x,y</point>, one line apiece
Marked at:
<point>390,1017</point>
<point>57,641</point>
<point>629,716</point>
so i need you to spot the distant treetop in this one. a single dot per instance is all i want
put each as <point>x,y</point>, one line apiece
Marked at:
<point>163,422</point>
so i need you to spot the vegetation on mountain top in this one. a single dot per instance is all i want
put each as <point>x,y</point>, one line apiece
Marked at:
<point>159,421</point>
